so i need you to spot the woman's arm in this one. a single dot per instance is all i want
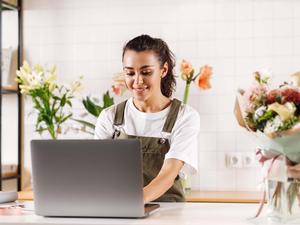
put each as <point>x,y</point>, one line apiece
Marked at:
<point>163,181</point>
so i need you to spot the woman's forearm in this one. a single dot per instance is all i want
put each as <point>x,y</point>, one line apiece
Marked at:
<point>157,187</point>
<point>164,180</point>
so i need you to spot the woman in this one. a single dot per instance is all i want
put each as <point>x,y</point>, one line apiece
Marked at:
<point>168,130</point>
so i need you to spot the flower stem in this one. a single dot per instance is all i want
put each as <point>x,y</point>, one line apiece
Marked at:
<point>186,92</point>
<point>52,132</point>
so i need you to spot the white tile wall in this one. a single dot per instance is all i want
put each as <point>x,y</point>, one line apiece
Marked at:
<point>236,37</point>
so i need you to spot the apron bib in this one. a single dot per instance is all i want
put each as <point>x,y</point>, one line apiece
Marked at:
<point>153,151</point>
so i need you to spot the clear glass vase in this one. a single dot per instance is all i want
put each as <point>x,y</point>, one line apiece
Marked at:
<point>283,200</point>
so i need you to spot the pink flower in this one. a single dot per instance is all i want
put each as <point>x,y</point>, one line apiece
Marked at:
<point>254,97</point>
<point>119,86</point>
<point>186,69</point>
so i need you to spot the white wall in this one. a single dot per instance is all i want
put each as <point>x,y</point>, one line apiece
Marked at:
<point>236,37</point>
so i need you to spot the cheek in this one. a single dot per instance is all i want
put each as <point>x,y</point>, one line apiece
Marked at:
<point>129,83</point>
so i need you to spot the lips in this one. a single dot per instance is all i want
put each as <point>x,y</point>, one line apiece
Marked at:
<point>139,90</point>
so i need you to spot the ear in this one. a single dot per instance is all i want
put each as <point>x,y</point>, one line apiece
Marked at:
<point>164,70</point>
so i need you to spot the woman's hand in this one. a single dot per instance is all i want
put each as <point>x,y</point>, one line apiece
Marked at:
<point>163,181</point>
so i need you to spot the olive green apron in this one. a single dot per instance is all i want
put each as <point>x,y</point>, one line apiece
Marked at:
<point>154,150</point>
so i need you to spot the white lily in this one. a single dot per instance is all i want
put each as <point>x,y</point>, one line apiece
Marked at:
<point>76,86</point>
<point>285,111</point>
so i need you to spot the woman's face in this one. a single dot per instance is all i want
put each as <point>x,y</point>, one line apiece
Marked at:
<point>143,74</point>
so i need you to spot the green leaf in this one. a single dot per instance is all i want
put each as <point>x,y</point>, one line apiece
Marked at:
<point>107,100</point>
<point>69,103</point>
<point>91,107</point>
<point>63,100</point>
<point>85,123</point>
<point>266,116</point>
<point>65,118</point>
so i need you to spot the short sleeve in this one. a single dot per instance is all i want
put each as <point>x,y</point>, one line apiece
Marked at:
<point>104,126</point>
<point>184,140</point>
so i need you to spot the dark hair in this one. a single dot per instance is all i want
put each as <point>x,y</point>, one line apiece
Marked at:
<point>164,55</point>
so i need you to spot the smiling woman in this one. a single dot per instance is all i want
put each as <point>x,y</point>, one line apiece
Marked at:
<point>167,128</point>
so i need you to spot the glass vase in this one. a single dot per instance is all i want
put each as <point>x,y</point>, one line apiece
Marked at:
<point>283,199</point>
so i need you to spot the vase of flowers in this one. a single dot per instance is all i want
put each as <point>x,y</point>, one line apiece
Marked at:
<point>272,117</point>
<point>51,100</point>
<point>202,81</point>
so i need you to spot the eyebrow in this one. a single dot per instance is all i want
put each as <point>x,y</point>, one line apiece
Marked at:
<point>143,67</point>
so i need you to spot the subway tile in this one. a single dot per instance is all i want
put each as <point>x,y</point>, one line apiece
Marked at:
<point>282,9</point>
<point>243,183</point>
<point>225,10</point>
<point>224,67</point>
<point>208,123</point>
<point>208,180</point>
<point>244,10</point>
<point>207,160</point>
<point>244,47</point>
<point>263,28</point>
<point>283,28</point>
<point>245,141</point>
<point>225,48</point>
<point>225,103</point>
<point>262,10</point>
<point>263,47</point>
<point>226,122</point>
<point>207,104</point>
<point>207,142</point>
<point>283,46</point>
<point>226,180</point>
<point>244,29</point>
<point>206,30</point>
<point>225,29</point>
<point>245,66</point>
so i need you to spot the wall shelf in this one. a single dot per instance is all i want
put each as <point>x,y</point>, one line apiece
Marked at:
<point>15,173</point>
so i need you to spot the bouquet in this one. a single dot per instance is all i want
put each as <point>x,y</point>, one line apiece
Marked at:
<point>50,99</point>
<point>272,116</point>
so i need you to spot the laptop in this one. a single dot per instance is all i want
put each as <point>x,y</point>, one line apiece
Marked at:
<point>88,178</point>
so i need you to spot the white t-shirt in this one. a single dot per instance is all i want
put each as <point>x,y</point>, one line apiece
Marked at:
<point>183,139</point>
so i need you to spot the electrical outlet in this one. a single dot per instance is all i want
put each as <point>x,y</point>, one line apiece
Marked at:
<point>234,160</point>
<point>249,160</point>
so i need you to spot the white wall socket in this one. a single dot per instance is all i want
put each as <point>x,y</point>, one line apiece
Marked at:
<point>241,160</point>
<point>234,160</point>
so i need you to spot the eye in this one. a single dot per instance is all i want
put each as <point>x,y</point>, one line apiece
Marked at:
<point>146,72</point>
<point>129,73</point>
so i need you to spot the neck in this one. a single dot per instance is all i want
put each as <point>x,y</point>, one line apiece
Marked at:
<point>152,105</point>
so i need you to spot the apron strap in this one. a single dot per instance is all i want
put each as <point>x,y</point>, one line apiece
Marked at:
<point>119,116</point>
<point>172,116</point>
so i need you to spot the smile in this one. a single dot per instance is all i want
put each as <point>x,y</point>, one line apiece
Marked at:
<point>140,90</point>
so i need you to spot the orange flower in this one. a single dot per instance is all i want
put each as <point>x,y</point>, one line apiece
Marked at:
<point>203,78</point>
<point>186,69</point>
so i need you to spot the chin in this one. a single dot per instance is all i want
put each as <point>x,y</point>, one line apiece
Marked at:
<point>140,97</point>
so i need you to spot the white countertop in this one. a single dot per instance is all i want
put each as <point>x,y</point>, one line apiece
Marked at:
<point>168,214</point>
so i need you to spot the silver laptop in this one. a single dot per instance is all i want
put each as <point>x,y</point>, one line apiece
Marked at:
<point>88,178</point>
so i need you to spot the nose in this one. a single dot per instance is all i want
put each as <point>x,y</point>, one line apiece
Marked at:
<point>138,79</point>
